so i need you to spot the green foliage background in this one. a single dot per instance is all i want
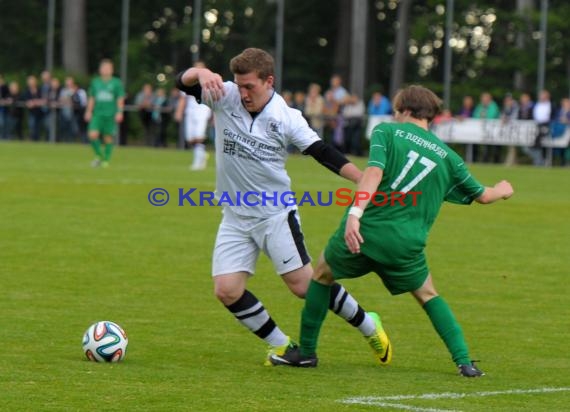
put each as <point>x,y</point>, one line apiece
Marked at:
<point>307,22</point>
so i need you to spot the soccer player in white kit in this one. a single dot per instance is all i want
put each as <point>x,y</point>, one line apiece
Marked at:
<point>195,117</point>
<point>253,127</point>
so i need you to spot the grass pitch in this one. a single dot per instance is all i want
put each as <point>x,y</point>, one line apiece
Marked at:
<point>79,245</point>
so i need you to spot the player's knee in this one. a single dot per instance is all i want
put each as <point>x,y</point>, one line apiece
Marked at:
<point>323,276</point>
<point>227,294</point>
<point>424,296</point>
<point>323,273</point>
<point>299,290</point>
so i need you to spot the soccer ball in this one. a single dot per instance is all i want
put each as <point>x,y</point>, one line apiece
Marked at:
<point>105,341</point>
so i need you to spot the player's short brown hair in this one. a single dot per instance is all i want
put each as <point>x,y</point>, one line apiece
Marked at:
<point>253,60</point>
<point>420,101</point>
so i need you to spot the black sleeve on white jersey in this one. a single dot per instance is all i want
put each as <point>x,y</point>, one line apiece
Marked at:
<point>327,155</point>
<point>195,90</point>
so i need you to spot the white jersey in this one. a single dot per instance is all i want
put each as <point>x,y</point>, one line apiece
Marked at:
<point>251,152</point>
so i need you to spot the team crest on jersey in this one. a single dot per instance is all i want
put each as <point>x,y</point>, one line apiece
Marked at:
<point>274,128</point>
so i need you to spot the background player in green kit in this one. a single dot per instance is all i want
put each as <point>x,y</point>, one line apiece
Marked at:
<point>104,110</point>
<point>389,240</point>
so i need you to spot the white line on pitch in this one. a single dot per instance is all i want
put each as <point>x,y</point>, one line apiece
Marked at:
<point>401,406</point>
<point>384,401</point>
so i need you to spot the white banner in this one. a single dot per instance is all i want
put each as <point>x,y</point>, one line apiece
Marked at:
<point>493,132</point>
<point>476,131</point>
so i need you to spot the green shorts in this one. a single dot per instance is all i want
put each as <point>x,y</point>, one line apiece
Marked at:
<point>105,125</point>
<point>398,277</point>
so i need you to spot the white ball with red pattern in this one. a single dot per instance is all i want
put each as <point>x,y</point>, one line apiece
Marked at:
<point>105,341</point>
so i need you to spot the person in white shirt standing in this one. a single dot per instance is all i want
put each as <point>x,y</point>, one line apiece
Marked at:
<point>542,115</point>
<point>254,127</point>
<point>195,117</point>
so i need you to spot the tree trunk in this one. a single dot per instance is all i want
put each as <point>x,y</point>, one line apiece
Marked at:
<point>358,49</point>
<point>74,36</point>
<point>524,9</point>
<point>342,52</point>
<point>401,48</point>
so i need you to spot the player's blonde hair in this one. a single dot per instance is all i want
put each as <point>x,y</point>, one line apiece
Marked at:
<point>253,60</point>
<point>420,101</point>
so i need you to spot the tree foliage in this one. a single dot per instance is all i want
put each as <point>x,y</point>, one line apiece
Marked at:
<point>485,52</point>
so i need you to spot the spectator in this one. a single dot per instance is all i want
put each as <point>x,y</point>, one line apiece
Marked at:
<point>54,90</point>
<point>15,111</point>
<point>487,109</point>
<point>559,127</point>
<point>160,117</point>
<point>34,104</point>
<point>542,114</point>
<point>4,94</point>
<point>144,102</point>
<point>46,82</point>
<point>299,101</point>
<point>510,112</point>
<point>466,110</point>
<point>52,117</point>
<point>525,107</point>
<point>45,89</point>
<point>330,114</point>
<point>353,113</point>
<point>68,127</point>
<point>79,99</point>
<point>339,94</point>
<point>173,99</point>
<point>338,91</point>
<point>314,106</point>
<point>379,105</point>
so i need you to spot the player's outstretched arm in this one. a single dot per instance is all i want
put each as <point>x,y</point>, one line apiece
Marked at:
<point>211,83</point>
<point>351,172</point>
<point>502,190</point>
<point>333,160</point>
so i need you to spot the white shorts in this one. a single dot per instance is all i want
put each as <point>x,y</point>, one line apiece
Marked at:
<point>240,239</point>
<point>196,122</point>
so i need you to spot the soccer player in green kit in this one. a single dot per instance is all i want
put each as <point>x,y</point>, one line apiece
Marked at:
<point>405,158</point>
<point>104,110</point>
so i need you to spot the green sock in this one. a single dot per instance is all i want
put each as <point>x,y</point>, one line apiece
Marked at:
<point>96,145</point>
<point>108,151</point>
<point>314,313</point>
<point>448,329</point>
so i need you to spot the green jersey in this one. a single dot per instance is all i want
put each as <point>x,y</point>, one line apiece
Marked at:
<point>106,94</point>
<point>419,173</point>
